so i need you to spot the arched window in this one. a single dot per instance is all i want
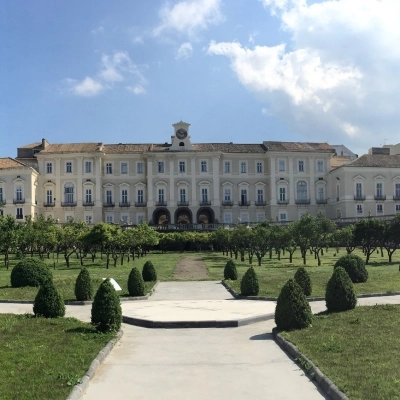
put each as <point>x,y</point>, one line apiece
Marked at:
<point>301,190</point>
<point>69,192</point>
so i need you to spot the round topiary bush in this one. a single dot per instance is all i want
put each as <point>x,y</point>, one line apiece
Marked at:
<point>30,272</point>
<point>249,283</point>
<point>106,308</point>
<point>340,295</point>
<point>303,279</point>
<point>354,266</point>
<point>48,301</point>
<point>230,271</point>
<point>149,273</point>
<point>135,283</point>
<point>292,309</point>
<point>83,286</point>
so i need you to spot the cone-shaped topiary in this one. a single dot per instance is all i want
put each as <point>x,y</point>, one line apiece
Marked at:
<point>30,272</point>
<point>340,295</point>
<point>83,286</point>
<point>303,279</point>
<point>292,309</point>
<point>230,271</point>
<point>48,301</point>
<point>354,266</point>
<point>106,308</point>
<point>249,283</point>
<point>135,283</point>
<point>149,273</point>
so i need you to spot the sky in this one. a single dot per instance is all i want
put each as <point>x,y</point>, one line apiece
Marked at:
<point>236,70</point>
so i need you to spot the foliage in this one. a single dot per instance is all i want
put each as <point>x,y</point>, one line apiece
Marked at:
<point>303,279</point>
<point>340,295</point>
<point>292,308</point>
<point>249,284</point>
<point>106,308</point>
<point>354,266</point>
<point>30,272</point>
<point>368,234</point>
<point>149,273</point>
<point>83,286</point>
<point>49,302</point>
<point>135,283</point>
<point>230,271</point>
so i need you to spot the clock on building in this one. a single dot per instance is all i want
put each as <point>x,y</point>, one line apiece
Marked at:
<point>181,133</point>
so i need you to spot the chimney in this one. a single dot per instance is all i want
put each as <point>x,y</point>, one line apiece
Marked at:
<point>45,143</point>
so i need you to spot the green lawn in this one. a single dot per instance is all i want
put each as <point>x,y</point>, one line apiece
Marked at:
<point>273,274</point>
<point>65,278</point>
<point>358,350</point>
<point>46,364</point>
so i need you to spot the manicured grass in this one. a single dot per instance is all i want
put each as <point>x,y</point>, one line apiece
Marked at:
<point>64,278</point>
<point>358,350</point>
<point>46,364</point>
<point>273,274</point>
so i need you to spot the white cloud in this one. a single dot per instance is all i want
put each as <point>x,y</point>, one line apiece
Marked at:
<point>87,87</point>
<point>252,37</point>
<point>185,50</point>
<point>189,17</point>
<point>97,31</point>
<point>138,89</point>
<point>339,80</point>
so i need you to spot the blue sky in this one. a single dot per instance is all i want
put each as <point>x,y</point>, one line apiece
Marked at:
<point>237,70</point>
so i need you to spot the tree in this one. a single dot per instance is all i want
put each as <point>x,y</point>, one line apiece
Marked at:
<point>262,241</point>
<point>249,284</point>
<point>354,266</point>
<point>322,230</point>
<point>48,301</point>
<point>149,273</point>
<point>340,295</point>
<point>230,271</point>
<point>303,233</point>
<point>135,283</point>
<point>368,234</point>
<point>345,237</point>
<point>390,240</point>
<point>303,279</point>
<point>83,286</point>
<point>8,237</point>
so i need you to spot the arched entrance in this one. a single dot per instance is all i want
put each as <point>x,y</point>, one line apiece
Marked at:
<point>183,216</point>
<point>205,216</point>
<point>161,216</point>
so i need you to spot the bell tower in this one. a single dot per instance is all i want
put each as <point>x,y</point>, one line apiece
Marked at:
<point>180,141</point>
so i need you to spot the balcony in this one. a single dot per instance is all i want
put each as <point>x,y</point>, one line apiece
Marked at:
<point>183,203</point>
<point>88,203</point>
<point>381,197</point>
<point>140,204</point>
<point>161,203</point>
<point>302,201</point>
<point>109,204</point>
<point>124,203</point>
<point>227,203</point>
<point>19,201</point>
<point>205,202</point>
<point>49,204</point>
<point>396,198</point>
<point>286,201</point>
<point>321,201</point>
<point>19,217</point>
<point>244,203</point>
<point>261,203</point>
<point>359,198</point>
<point>68,204</point>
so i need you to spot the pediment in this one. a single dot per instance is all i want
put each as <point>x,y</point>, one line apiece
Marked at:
<point>205,183</point>
<point>182,183</point>
<point>358,177</point>
<point>243,184</point>
<point>124,184</point>
<point>227,183</point>
<point>161,183</point>
<point>379,177</point>
<point>108,185</point>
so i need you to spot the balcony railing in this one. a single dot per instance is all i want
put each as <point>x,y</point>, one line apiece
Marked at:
<point>124,203</point>
<point>68,204</point>
<point>161,203</point>
<point>381,197</point>
<point>302,201</point>
<point>140,204</point>
<point>244,203</point>
<point>283,201</point>
<point>19,201</point>
<point>183,203</point>
<point>359,198</point>
<point>19,217</point>
<point>49,204</point>
<point>396,198</point>
<point>227,203</point>
<point>88,203</point>
<point>205,202</point>
<point>322,201</point>
<point>109,204</point>
<point>261,203</point>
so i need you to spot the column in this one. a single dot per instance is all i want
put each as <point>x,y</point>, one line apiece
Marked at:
<point>215,175</point>
<point>150,195</point>
<point>273,181</point>
<point>98,196</point>
<point>171,181</point>
<point>292,192</point>
<point>194,186</point>
<point>58,193</point>
<point>311,162</point>
<point>79,189</point>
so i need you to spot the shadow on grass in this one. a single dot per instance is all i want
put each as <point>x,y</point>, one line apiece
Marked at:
<point>81,330</point>
<point>262,336</point>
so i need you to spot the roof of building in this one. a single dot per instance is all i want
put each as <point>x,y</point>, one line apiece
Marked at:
<point>31,145</point>
<point>10,163</point>
<point>73,148</point>
<point>376,160</point>
<point>299,146</point>
<point>230,147</point>
<point>126,148</point>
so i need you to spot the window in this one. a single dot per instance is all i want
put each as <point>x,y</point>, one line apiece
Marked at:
<point>124,196</point>
<point>204,195</point>
<point>259,167</point>
<point>301,166</point>
<point>397,190</point>
<point>20,214</point>
<point>88,218</point>
<point>320,166</point>
<point>88,167</point>
<point>260,217</point>
<point>49,168</point>
<point>108,168</point>
<point>260,195</point>
<point>243,196</point>
<point>301,190</point>
<point>203,166</point>
<point>379,208</point>
<point>69,193</point>
<point>182,195</point>
<point>160,167</point>
<point>358,190</point>
<point>49,196</point>
<point>243,167</point>
<point>227,194</point>
<point>124,218</point>
<point>244,217</point>
<point>359,209</point>
<point>282,194</point>
<point>227,167</point>
<point>182,166</point>
<point>1,195</point>
<point>88,196</point>
<point>140,218</point>
<point>140,196</point>
<point>124,168</point>
<point>397,208</point>
<point>379,189</point>
<point>161,195</point>
<point>282,216</point>
<point>140,168</point>
<point>337,192</point>
<point>68,167</point>
<point>18,193</point>
<point>228,218</point>
<point>281,165</point>
<point>109,196</point>
<point>320,193</point>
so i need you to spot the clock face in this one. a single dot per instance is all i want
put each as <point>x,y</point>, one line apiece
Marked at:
<point>181,133</point>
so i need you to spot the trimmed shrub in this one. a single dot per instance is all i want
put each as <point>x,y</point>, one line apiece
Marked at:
<point>303,279</point>
<point>230,271</point>
<point>30,272</point>
<point>249,283</point>
<point>149,273</point>
<point>292,310</point>
<point>354,266</point>
<point>135,283</point>
<point>340,295</point>
<point>106,308</point>
<point>83,286</point>
<point>48,301</point>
